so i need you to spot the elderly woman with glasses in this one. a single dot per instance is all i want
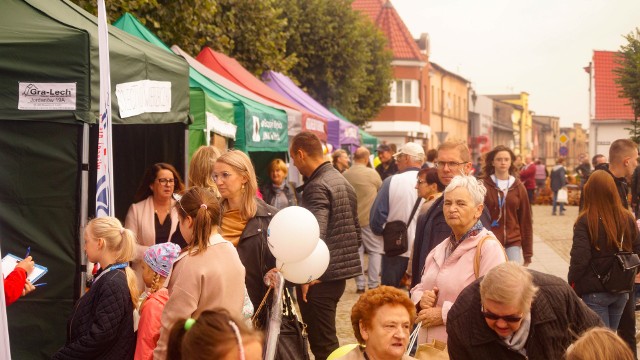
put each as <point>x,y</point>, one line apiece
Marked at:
<point>152,216</point>
<point>516,313</point>
<point>470,252</point>
<point>245,220</point>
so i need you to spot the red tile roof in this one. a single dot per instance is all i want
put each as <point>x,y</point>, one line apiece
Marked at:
<point>609,106</point>
<point>385,16</point>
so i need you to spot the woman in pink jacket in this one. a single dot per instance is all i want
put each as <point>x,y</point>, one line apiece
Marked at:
<point>457,261</point>
<point>158,260</point>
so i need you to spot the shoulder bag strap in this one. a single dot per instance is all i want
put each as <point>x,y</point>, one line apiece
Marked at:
<point>413,212</point>
<point>476,260</point>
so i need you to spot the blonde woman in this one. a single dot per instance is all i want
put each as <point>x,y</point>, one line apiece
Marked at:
<point>599,344</point>
<point>278,192</point>
<point>201,168</point>
<point>101,324</point>
<point>245,220</point>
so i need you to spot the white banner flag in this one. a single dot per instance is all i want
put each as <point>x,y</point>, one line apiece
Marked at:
<point>104,184</point>
<point>5,352</point>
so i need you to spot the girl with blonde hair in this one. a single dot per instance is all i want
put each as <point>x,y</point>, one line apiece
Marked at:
<point>101,324</point>
<point>201,168</point>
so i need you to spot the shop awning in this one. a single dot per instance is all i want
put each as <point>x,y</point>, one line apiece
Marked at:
<point>366,139</point>
<point>232,70</point>
<point>260,126</point>
<point>340,131</point>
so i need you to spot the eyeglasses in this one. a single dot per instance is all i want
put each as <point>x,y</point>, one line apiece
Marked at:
<point>451,164</point>
<point>421,181</point>
<point>508,318</point>
<point>223,176</point>
<point>165,182</point>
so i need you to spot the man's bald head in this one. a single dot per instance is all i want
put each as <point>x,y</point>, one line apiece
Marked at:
<point>361,156</point>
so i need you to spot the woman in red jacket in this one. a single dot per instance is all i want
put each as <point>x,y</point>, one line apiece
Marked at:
<point>16,284</point>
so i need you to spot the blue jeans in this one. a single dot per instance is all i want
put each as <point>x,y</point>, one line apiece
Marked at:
<point>393,268</point>
<point>555,202</point>
<point>373,271</point>
<point>608,306</point>
<point>514,253</point>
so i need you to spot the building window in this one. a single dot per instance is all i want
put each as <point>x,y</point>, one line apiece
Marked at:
<point>405,92</point>
<point>432,98</point>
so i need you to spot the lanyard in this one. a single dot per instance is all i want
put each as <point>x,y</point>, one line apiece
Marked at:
<point>113,267</point>
<point>502,199</point>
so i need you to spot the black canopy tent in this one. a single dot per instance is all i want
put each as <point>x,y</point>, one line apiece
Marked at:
<point>47,156</point>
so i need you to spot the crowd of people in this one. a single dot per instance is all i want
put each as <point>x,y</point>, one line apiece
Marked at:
<point>448,247</point>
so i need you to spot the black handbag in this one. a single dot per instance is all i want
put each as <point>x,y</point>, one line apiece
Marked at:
<point>621,275</point>
<point>293,342</point>
<point>394,234</point>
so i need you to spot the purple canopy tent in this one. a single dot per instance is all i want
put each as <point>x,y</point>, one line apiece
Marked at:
<point>339,131</point>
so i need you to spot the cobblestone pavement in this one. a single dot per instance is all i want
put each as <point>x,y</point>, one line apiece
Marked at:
<point>554,231</point>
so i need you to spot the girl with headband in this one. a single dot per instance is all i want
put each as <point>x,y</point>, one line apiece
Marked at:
<point>156,265</point>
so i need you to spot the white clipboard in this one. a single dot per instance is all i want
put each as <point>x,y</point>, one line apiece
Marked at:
<point>9,263</point>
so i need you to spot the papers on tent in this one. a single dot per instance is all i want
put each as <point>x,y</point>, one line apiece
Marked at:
<point>9,263</point>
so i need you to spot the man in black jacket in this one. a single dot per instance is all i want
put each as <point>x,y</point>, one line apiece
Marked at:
<point>328,195</point>
<point>515,313</point>
<point>431,228</point>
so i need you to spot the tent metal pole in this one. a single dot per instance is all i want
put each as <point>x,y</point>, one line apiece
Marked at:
<point>186,156</point>
<point>84,204</point>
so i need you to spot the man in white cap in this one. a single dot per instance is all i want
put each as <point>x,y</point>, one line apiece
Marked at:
<point>397,201</point>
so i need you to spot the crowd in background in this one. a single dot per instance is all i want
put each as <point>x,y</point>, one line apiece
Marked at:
<point>447,244</point>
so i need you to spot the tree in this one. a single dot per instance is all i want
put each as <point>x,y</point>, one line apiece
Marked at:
<point>253,32</point>
<point>342,61</point>
<point>628,77</point>
<point>338,56</point>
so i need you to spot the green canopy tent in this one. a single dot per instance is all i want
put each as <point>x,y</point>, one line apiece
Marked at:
<point>208,113</point>
<point>49,92</point>
<point>366,139</point>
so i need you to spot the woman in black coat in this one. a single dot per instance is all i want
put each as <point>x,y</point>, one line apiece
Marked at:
<point>603,227</point>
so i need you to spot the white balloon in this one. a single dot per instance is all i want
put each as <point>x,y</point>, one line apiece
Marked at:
<point>308,269</point>
<point>293,234</point>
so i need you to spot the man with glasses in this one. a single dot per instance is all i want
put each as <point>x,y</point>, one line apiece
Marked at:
<point>397,200</point>
<point>431,229</point>
<point>514,313</point>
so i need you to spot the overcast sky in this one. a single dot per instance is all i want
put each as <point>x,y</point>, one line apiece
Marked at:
<point>536,46</point>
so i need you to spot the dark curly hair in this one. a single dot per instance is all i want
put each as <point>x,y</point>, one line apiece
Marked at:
<point>366,307</point>
<point>489,169</point>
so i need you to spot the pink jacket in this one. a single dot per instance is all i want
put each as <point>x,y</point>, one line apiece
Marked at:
<point>210,279</point>
<point>141,220</point>
<point>149,325</point>
<point>454,273</point>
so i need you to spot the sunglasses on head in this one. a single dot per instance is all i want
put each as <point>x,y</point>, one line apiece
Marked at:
<point>508,318</point>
